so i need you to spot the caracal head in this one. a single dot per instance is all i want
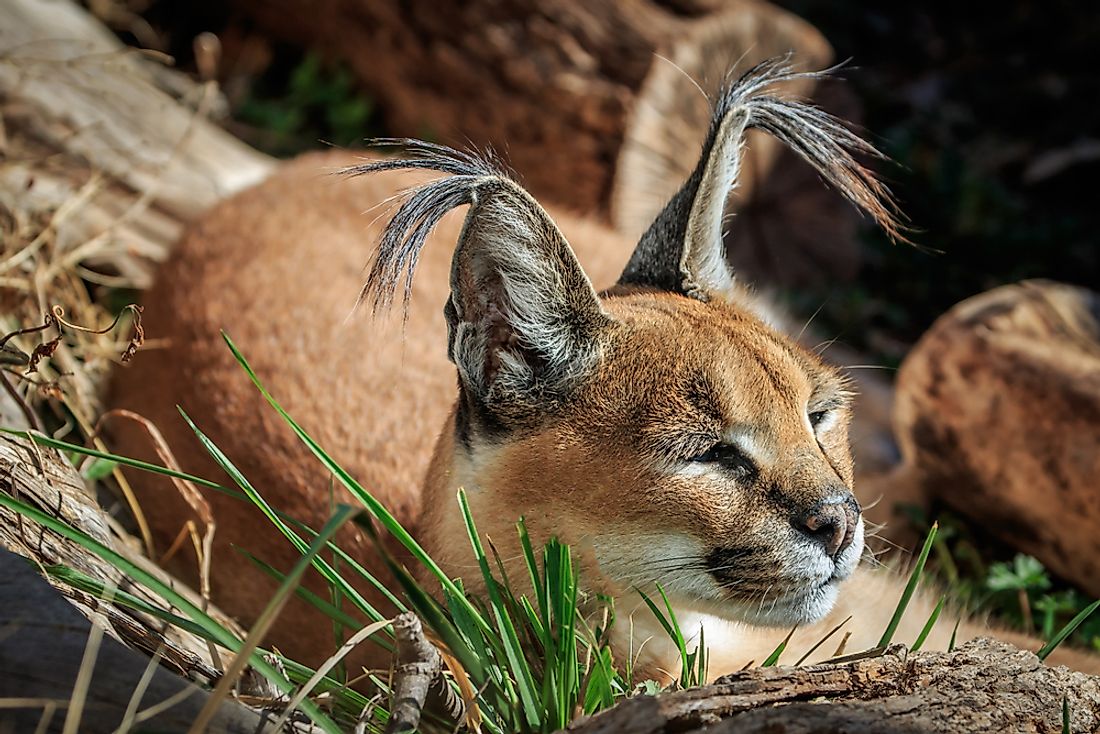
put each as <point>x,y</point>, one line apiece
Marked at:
<point>704,452</point>
<point>661,428</point>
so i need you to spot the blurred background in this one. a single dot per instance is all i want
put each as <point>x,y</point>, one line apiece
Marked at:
<point>986,108</point>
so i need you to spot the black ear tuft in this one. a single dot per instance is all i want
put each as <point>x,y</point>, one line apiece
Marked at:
<point>682,251</point>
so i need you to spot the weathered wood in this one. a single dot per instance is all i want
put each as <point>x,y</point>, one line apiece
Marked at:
<point>594,104</point>
<point>43,478</point>
<point>77,105</point>
<point>99,166</point>
<point>43,648</point>
<point>985,686</point>
<point>998,415</point>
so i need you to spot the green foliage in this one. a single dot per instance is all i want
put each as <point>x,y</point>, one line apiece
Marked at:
<point>317,102</point>
<point>693,662</point>
<point>536,660</point>
<point>97,469</point>
<point>198,620</point>
<point>773,659</point>
<point>935,615</point>
<point>1024,573</point>
<point>1061,635</point>
<point>532,651</point>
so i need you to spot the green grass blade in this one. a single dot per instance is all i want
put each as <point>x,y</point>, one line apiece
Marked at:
<point>299,544</point>
<point>702,661</point>
<point>43,440</point>
<point>376,509</point>
<point>1065,715</point>
<point>322,605</point>
<point>822,641</point>
<point>914,579</point>
<point>672,629</point>
<point>657,613</point>
<point>353,564</point>
<point>1068,630</point>
<point>687,660</point>
<point>681,642</point>
<point>919,642</point>
<point>524,678</point>
<point>535,622</point>
<point>533,570</point>
<point>773,659</point>
<point>91,585</point>
<point>267,618</point>
<point>599,694</point>
<point>954,635</point>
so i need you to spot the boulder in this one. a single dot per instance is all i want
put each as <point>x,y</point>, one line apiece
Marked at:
<point>997,415</point>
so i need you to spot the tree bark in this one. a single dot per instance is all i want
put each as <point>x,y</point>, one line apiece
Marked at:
<point>43,478</point>
<point>594,104</point>
<point>984,686</point>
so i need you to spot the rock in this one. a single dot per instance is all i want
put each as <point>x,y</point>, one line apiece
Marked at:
<point>998,415</point>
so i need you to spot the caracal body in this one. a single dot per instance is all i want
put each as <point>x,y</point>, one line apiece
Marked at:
<point>659,425</point>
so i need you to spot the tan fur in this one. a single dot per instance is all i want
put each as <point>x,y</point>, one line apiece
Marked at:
<point>661,428</point>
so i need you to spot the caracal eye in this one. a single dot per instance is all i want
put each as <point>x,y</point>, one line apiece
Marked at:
<point>817,417</point>
<point>728,457</point>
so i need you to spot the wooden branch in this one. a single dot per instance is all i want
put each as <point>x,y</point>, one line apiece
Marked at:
<point>984,686</point>
<point>418,680</point>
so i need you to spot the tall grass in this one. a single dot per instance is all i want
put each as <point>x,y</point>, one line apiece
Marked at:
<point>529,655</point>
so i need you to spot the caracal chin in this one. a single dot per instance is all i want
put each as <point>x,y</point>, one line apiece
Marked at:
<point>633,400</point>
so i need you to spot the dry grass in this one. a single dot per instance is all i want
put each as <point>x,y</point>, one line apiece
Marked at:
<point>60,265</point>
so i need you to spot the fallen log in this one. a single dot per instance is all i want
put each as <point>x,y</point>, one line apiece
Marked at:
<point>984,686</point>
<point>56,671</point>
<point>99,169</point>
<point>43,478</point>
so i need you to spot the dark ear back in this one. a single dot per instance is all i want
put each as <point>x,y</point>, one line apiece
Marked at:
<point>522,315</point>
<point>683,250</point>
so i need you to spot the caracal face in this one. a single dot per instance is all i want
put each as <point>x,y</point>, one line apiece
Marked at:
<point>706,453</point>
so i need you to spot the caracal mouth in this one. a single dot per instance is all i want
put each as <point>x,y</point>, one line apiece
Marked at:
<point>790,602</point>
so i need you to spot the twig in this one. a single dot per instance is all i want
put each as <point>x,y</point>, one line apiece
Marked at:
<point>419,673</point>
<point>32,419</point>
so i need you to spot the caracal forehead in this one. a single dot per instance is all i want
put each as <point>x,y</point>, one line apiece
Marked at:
<point>717,356</point>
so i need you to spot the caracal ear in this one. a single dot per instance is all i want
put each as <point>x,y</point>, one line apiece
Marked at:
<point>683,250</point>
<point>523,317</point>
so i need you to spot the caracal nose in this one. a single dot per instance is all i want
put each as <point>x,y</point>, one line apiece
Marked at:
<point>831,523</point>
